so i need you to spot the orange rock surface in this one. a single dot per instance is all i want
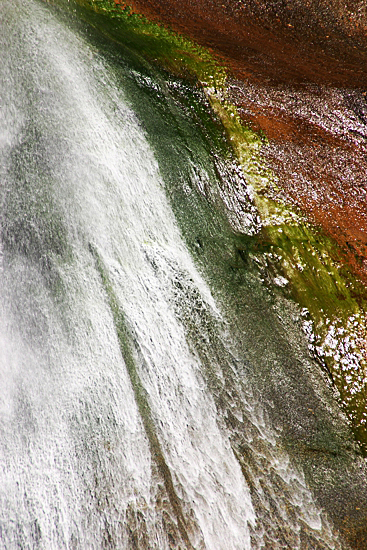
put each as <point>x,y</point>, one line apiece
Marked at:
<point>299,74</point>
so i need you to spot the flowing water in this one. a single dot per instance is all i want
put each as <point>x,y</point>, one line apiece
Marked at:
<point>128,418</point>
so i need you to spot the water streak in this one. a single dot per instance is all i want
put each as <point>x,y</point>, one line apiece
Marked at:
<point>110,435</point>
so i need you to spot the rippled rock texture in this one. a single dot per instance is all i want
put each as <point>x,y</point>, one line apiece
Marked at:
<point>299,75</point>
<point>282,40</point>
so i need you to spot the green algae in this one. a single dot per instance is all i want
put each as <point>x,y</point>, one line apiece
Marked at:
<point>300,261</point>
<point>309,264</point>
<point>154,42</point>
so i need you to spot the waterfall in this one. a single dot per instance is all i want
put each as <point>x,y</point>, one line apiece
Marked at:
<point>117,365</point>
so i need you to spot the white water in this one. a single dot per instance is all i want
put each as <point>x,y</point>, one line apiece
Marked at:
<point>77,469</point>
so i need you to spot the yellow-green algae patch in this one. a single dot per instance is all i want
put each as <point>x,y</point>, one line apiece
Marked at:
<point>304,262</point>
<point>333,301</point>
<point>158,44</point>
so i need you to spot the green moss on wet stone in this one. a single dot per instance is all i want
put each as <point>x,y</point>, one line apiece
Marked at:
<point>288,245</point>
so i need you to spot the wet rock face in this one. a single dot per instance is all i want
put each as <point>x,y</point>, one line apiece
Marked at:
<point>317,146</point>
<point>299,75</point>
<point>280,39</point>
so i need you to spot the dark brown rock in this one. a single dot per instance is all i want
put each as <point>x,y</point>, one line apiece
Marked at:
<point>299,75</point>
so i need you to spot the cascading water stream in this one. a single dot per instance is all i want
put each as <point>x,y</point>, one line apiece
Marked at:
<point>111,427</point>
